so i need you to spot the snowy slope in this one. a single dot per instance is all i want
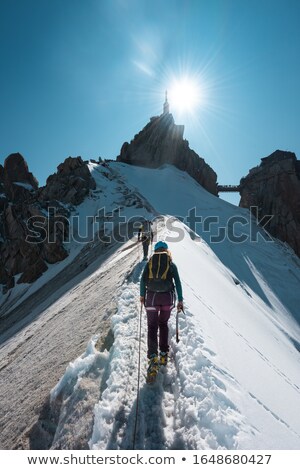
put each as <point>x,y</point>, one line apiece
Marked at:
<point>85,222</point>
<point>48,323</point>
<point>233,380</point>
<point>268,267</point>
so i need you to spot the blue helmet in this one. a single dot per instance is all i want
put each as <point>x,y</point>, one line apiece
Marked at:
<point>159,245</point>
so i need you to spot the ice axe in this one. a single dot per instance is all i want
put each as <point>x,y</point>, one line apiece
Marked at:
<point>177,320</point>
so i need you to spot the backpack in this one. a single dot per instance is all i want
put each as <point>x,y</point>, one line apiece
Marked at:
<point>160,273</point>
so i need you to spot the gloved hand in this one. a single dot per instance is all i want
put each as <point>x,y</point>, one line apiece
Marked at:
<point>180,305</point>
<point>142,300</point>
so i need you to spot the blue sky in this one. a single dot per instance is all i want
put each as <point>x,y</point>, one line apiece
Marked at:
<point>80,77</point>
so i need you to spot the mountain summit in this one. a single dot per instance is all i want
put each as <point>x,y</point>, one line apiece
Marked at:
<point>161,141</point>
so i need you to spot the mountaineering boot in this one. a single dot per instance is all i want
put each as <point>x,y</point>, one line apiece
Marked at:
<point>163,359</point>
<point>152,369</point>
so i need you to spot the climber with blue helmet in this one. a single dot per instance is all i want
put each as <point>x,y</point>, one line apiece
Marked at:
<point>157,293</point>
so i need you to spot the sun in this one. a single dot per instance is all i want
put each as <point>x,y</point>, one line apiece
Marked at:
<point>184,95</point>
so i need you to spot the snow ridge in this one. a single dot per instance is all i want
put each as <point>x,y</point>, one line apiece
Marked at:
<point>187,408</point>
<point>212,394</point>
<point>113,421</point>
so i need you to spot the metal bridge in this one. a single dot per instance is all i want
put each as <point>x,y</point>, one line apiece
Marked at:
<point>228,188</point>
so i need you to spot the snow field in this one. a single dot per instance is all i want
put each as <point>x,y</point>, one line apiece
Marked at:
<point>232,381</point>
<point>217,391</point>
<point>187,408</point>
<point>206,417</point>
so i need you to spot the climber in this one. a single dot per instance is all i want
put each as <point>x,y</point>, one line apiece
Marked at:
<point>145,235</point>
<point>158,296</point>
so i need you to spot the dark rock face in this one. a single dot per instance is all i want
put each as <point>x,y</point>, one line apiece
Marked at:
<point>161,141</point>
<point>274,187</point>
<point>33,223</point>
<point>16,179</point>
<point>71,184</point>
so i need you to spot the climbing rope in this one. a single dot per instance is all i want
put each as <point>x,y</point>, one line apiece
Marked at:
<point>140,250</point>
<point>138,379</point>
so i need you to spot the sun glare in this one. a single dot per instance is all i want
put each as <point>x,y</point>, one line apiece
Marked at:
<point>184,95</point>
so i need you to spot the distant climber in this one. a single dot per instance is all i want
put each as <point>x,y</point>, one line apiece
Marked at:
<point>158,296</point>
<point>145,235</point>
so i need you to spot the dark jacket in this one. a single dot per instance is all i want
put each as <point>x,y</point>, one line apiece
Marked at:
<point>145,235</point>
<point>173,273</point>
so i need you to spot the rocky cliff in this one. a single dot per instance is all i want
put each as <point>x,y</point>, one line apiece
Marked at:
<point>161,141</point>
<point>32,234</point>
<point>274,187</point>
<point>71,184</point>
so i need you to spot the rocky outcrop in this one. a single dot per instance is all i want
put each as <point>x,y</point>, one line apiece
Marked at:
<point>71,184</point>
<point>33,222</point>
<point>16,182</point>
<point>274,187</point>
<point>161,141</point>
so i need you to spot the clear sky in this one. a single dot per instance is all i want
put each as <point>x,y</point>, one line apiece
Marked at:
<point>80,77</point>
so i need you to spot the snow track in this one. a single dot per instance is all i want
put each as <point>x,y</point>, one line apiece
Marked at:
<point>212,394</point>
<point>187,407</point>
<point>205,418</point>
